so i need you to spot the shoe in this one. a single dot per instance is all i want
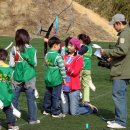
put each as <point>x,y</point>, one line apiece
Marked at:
<point>95,110</point>
<point>110,122</point>
<point>58,116</point>
<point>34,122</point>
<point>116,126</point>
<point>13,128</point>
<point>46,113</point>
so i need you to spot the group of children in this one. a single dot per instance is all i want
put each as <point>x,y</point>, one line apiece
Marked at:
<point>65,76</point>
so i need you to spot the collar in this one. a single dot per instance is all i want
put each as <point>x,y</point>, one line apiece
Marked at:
<point>53,51</point>
<point>4,65</point>
<point>125,28</point>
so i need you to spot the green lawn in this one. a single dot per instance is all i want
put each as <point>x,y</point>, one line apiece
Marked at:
<point>101,98</point>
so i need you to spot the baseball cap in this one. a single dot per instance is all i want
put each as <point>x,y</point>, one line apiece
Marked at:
<point>117,18</point>
<point>75,42</point>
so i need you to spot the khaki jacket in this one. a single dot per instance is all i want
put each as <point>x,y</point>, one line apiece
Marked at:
<point>121,56</point>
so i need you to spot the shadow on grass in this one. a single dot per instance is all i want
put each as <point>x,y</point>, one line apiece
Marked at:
<point>3,123</point>
<point>24,115</point>
<point>105,115</point>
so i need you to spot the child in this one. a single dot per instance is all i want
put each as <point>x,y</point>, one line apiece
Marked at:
<point>74,65</point>
<point>86,81</point>
<point>54,76</point>
<point>6,92</point>
<point>23,59</point>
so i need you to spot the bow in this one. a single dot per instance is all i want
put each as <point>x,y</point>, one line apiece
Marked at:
<point>9,46</point>
<point>55,27</point>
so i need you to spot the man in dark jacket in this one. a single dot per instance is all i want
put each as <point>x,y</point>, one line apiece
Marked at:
<point>120,70</point>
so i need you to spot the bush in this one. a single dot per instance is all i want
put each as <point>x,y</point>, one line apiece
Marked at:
<point>108,8</point>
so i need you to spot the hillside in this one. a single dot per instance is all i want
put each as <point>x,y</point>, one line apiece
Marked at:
<point>32,14</point>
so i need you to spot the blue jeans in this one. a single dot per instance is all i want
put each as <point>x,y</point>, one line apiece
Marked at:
<point>120,101</point>
<point>9,115</point>
<point>32,107</point>
<point>73,105</point>
<point>52,100</point>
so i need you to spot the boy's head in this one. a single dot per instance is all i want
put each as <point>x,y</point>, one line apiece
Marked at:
<point>3,54</point>
<point>54,43</point>
<point>84,39</point>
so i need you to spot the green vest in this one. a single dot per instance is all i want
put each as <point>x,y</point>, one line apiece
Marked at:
<point>6,92</point>
<point>23,71</point>
<point>87,58</point>
<point>52,73</point>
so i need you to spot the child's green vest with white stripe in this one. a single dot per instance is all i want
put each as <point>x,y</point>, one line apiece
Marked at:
<point>52,73</point>
<point>24,69</point>
<point>87,58</point>
<point>6,92</point>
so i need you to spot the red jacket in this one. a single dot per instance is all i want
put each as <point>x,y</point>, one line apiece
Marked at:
<point>73,70</point>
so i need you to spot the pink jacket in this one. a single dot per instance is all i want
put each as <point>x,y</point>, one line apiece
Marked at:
<point>73,70</point>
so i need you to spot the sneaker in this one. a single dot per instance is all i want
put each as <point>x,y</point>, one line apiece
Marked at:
<point>110,122</point>
<point>116,126</point>
<point>58,116</point>
<point>95,110</point>
<point>13,128</point>
<point>34,122</point>
<point>46,113</point>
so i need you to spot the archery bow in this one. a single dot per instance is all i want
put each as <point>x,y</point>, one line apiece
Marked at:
<point>56,27</point>
<point>9,46</point>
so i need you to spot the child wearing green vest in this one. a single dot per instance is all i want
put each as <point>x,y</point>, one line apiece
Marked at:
<point>6,92</point>
<point>23,60</point>
<point>54,77</point>
<point>86,80</point>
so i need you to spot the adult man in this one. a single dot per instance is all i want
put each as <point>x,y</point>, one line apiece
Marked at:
<point>120,71</point>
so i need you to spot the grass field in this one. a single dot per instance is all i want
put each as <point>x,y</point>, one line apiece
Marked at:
<point>101,98</point>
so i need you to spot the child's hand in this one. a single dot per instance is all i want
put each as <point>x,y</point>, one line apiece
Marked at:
<point>64,63</point>
<point>46,40</point>
<point>102,51</point>
<point>109,59</point>
<point>64,81</point>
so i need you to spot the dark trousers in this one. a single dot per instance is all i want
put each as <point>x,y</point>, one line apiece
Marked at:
<point>9,115</point>
<point>52,100</point>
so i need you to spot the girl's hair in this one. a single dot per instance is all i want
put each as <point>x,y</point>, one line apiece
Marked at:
<point>53,40</point>
<point>86,39</point>
<point>3,54</point>
<point>21,38</point>
<point>67,41</point>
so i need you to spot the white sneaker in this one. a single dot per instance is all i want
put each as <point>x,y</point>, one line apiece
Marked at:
<point>58,116</point>
<point>14,128</point>
<point>46,113</point>
<point>116,126</point>
<point>34,122</point>
<point>110,122</point>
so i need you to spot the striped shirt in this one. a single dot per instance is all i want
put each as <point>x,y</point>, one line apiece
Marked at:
<point>60,64</point>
